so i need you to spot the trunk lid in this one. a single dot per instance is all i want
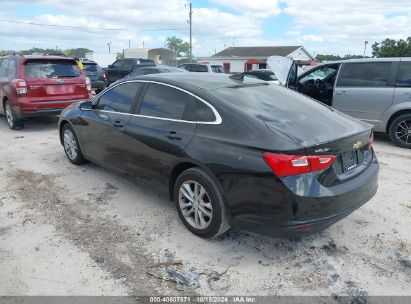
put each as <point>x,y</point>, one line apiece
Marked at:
<point>54,79</point>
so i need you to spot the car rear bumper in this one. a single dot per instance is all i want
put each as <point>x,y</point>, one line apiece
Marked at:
<point>273,209</point>
<point>45,108</point>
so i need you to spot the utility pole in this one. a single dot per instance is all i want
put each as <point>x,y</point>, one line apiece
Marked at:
<point>129,43</point>
<point>365,46</point>
<point>191,31</point>
<point>109,45</point>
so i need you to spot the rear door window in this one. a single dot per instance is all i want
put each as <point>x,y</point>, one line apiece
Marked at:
<point>128,65</point>
<point>11,69</point>
<point>404,74</point>
<point>121,98</point>
<point>166,102</point>
<point>118,64</point>
<point>204,112</point>
<point>3,67</point>
<point>201,68</point>
<point>367,74</point>
<point>51,69</point>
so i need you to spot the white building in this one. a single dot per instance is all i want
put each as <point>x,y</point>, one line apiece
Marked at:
<point>242,59</point>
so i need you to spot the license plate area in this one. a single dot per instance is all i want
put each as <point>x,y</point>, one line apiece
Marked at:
<point>349,160</point>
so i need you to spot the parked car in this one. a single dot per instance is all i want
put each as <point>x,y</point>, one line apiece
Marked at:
<point>263,74</point>
<point>122,67</point>
<point>156,70</point>
<point>202,67</point>
<point>96,74</point>
<point>375,90</point>
<point>248,154</point>
<point>38,85</point>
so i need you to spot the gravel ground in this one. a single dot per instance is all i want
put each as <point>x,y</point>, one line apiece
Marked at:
<point>68,230</point>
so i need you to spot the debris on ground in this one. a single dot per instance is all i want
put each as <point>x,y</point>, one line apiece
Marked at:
<point>406,261</point>
<point>184,280</point>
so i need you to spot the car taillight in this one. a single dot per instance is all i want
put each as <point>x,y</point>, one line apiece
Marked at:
<point>21,86</point>
<point>286,165</point>
<point>371,141</point>
<point>104,76</point>
<point>88,84</point>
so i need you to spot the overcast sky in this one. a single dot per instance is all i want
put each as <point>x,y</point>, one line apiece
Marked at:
<point>330,27</point>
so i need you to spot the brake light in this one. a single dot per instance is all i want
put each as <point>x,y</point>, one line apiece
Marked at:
<point>88,84</point>
<point>21,86</point>
<point>104,76</point>
<point>286,165</point>
<point>371,141</point>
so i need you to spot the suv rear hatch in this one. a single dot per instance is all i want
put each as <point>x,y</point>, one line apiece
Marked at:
<point>54,79</point>
<point>93,71</point>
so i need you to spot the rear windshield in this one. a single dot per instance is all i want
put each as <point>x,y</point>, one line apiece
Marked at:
<point>51,69</point>
<point>91,67</point>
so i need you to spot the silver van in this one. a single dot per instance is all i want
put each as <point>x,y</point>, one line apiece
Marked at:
<point>374,90</point>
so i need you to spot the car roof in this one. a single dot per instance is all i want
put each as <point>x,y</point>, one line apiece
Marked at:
<point>364,60</point>
<point>204,81</point>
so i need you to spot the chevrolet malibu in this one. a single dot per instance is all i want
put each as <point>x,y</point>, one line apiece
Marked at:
<point>232,151</point>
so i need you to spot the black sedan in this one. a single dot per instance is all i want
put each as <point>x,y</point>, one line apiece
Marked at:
<point>232,152</point>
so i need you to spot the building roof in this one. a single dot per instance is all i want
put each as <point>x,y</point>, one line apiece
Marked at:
<point>257,51</point>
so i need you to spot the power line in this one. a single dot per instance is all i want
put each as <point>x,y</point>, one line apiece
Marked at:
<point>88,28</point>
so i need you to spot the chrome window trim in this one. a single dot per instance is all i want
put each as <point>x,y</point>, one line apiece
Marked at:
<point>218,120</point>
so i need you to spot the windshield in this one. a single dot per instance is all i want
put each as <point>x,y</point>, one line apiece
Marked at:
<point>51,69</point>
<point>320,73</point>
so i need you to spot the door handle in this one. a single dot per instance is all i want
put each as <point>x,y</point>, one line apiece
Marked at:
<point>118,124</point>
<point>173,135</point>
<point>342,93</point>
<point>408,93</point>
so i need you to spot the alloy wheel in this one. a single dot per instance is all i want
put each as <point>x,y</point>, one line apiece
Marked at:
<point>70,144</point>
<point>195,204</point>
<point>9,115</point>
<point>403,131</point>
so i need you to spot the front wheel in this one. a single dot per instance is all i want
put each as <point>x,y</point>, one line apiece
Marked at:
<point>200,204</point>
<point>71,146</point>
<point>400,131</point>
<point>12,121</point>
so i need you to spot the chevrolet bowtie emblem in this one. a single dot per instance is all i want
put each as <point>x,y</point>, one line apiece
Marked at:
<point>357,145</point>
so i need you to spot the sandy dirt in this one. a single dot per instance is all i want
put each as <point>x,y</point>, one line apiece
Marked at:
<point>68,230</point>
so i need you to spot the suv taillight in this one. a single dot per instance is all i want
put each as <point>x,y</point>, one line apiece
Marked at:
<point>286,165</point>
<point>21,86</point>
<point>88,84</point>
<point>371,141</point>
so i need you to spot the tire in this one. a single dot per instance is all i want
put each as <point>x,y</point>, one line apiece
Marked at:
<point>11,118</point>
<point>400,131</point>
<point>210,203</point>
<point>72,146</point>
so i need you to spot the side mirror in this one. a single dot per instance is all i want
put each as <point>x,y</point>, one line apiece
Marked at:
<point>86,106</point>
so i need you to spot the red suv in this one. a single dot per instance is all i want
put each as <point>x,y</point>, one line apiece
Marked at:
<point>34,85</point>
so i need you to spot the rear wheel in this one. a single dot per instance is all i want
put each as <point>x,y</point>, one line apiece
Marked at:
<point>400,131</point>
<point>71,146</point>
<point>11,119</point>
<point>200,204</point>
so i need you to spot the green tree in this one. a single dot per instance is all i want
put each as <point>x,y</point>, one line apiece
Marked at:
<point>321,57</point>
<point>392,48</point>
<point>177,45</point>
<point>79,52</point>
